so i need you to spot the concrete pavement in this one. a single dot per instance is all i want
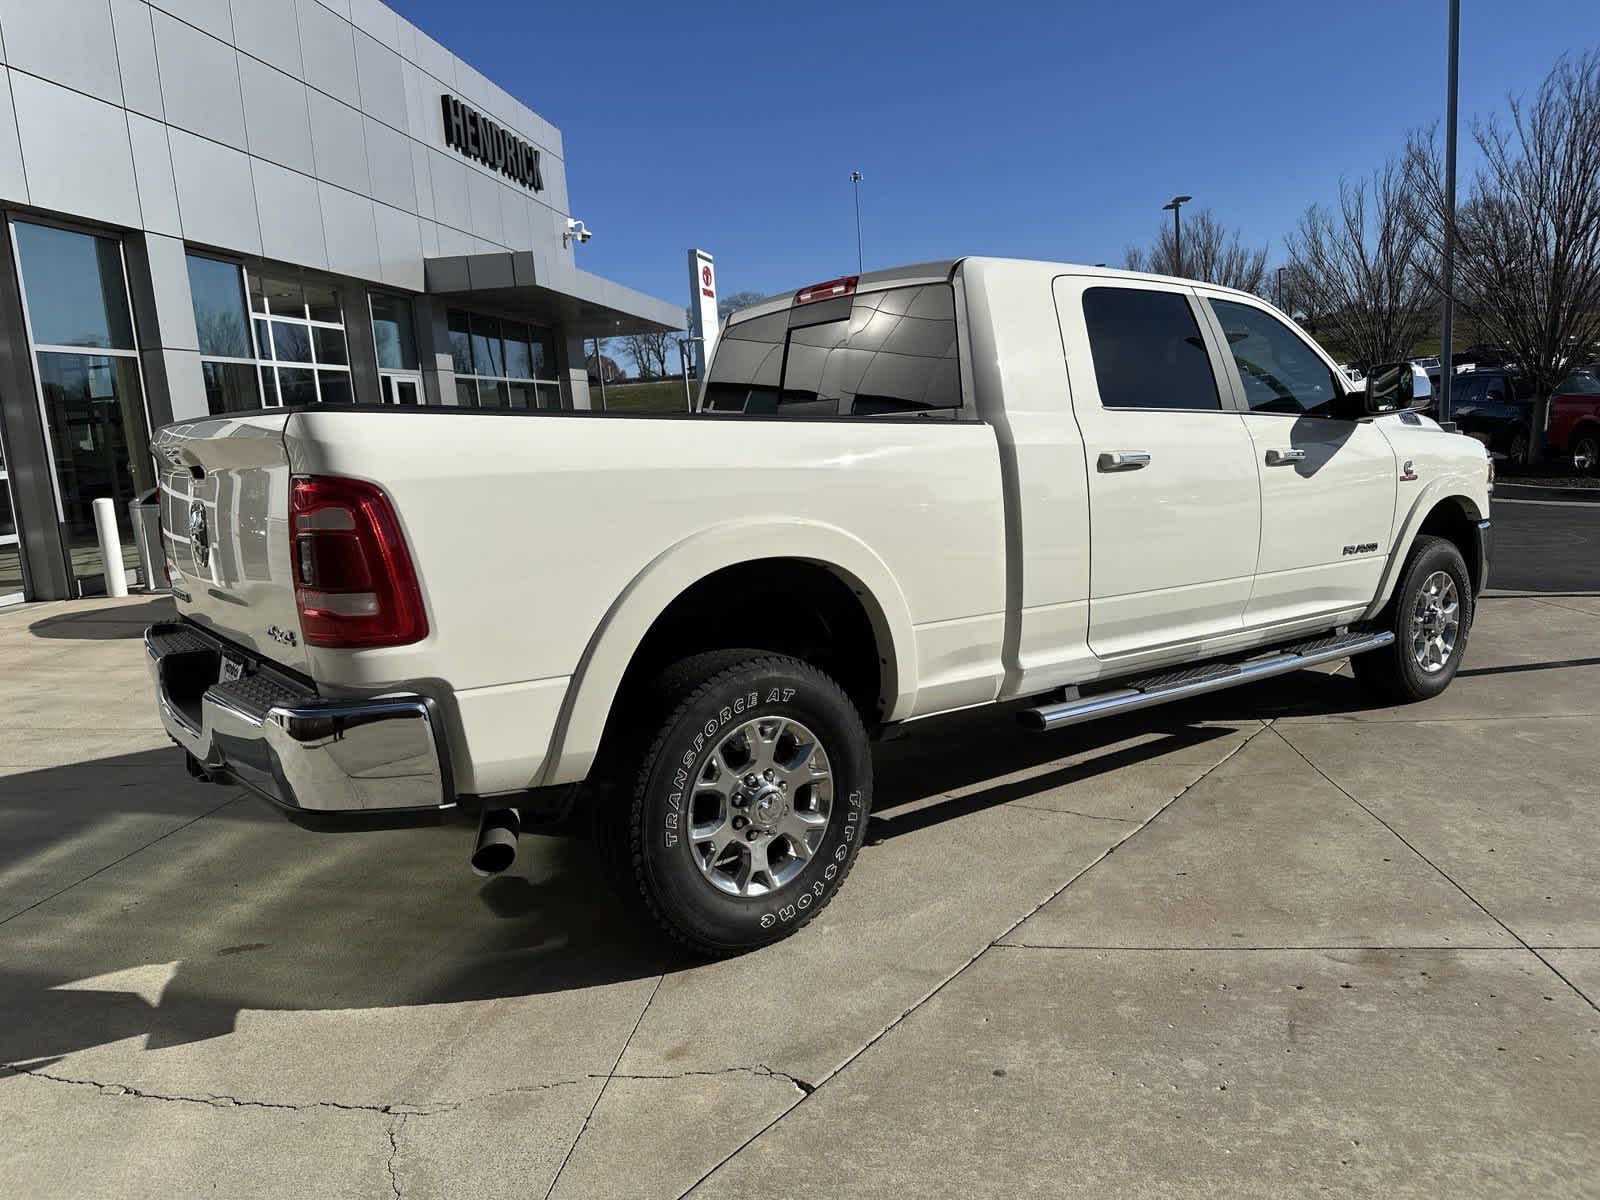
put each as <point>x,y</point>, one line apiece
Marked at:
<point>1273,943</point>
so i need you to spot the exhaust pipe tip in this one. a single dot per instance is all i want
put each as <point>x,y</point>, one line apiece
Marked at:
<point>496,847</point>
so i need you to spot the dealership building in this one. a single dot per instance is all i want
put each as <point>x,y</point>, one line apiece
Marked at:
<point>215,206</point>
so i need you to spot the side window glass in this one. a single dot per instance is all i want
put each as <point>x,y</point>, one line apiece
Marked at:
<point>1280,373</point>
<point>1147,349</point>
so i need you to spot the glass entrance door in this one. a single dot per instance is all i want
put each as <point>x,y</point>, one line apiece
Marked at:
<point>76,301</point>
<point>10,550</point>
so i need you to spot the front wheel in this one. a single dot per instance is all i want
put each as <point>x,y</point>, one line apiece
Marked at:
<point>749,807</point>
<point>1431,614</point>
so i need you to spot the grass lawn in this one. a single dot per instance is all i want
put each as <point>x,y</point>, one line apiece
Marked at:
<point>659,395</point>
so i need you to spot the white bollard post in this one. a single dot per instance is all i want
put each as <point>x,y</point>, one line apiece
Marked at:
<point>105,527</point>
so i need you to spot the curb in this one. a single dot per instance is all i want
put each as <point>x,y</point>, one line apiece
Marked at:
<point>1506,490</point>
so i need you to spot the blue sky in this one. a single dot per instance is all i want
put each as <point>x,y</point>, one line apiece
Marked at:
<point>1036,130</point>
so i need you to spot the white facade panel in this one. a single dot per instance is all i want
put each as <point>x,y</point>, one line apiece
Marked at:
<point>216,196</point>
<point>382,83</point>
<point>75,151</point>
<point>350,231</point>
<point>152,169</point>
<point>291,216</point>
<point>269,30</point>
<point>136,57</point>
<point>277,126</point>
<point>13,179</point>
<point>389,166</point>
<point>338,142</point>
<point>328,48</point>
<point>199,81</point>
<point>69,41</point>
<point>213,16</point>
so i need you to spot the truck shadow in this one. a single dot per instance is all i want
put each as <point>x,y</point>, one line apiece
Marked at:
<point>158,914</point>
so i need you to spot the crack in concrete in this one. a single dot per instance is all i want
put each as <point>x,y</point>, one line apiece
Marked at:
<point>761,1069</point>
<point>395,1126</point>
<point>1071,812</point>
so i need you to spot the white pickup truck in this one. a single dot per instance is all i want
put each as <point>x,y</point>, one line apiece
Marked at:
<point>916,490</point>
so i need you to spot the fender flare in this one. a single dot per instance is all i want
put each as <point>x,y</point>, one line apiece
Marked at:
<point>1436,492</point>
<point>605,659</point>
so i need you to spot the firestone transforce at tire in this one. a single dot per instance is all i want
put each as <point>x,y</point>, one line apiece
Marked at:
<point>1431,614</point>
<point>751,801</point>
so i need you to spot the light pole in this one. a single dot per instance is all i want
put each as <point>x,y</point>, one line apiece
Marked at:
<point>855,183</point>
<point>1176,204</point>
<point>1447,367</point>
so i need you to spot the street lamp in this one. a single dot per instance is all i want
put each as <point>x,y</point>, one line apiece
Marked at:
<point>855,183</point>
<point>1176,204</point>
<point>1447,270</point>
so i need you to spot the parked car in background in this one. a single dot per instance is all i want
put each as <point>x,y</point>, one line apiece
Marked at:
<point>1496,407</point>
<point>1574,428</point>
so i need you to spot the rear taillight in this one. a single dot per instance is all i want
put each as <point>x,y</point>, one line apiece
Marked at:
<point>353,580</point>
<point>843,286</point>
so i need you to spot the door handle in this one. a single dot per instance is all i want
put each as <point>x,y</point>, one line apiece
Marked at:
<point>1282,458</point>
<point>1123,460</point>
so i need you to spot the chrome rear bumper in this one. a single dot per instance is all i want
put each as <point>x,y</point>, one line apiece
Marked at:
<point>277,737</point>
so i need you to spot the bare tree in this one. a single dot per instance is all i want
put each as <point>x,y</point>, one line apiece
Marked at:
<point>649,353</point>
<point>1361,272</point>
<point>1210,253</point>
<point>1527,239</point>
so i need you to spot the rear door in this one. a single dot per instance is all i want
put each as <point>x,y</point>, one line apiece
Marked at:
<point>224,524</point>
<point>1174,502</point>
<point>1327,484</point>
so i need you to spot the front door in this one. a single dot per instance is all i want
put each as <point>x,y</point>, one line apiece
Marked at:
<point>1174,503</point>
<point>1327,484</point>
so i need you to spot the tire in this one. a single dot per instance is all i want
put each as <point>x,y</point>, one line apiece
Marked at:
<point>1587,446</point>
<point>721,864</point>
<point>1517,448</point>
<point>1409,670</point>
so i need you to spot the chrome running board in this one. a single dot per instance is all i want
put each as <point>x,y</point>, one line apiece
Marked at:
<point>1197,681</point>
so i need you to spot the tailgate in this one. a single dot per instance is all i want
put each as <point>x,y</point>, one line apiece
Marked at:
<point>224,522</point>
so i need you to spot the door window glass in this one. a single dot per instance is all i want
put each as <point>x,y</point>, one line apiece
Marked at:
<point>1147,350</point>
<point>1279,371</point>
<point>1581,383</point>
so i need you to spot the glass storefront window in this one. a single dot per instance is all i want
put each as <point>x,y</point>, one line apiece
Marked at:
<point>75,288</point>
<point>503,363</point>
<point>230,387</point>
<point>219,312</point>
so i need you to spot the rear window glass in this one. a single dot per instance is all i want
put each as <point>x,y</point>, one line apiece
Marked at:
<point>877,354</point>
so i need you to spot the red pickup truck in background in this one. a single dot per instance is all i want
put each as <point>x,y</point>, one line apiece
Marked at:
<point>1574,428</point>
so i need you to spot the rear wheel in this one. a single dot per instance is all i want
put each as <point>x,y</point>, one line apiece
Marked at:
<point>1517,450</point>
<point>1586,452</point>
<point>748,807</point>
<point>1431,614</point>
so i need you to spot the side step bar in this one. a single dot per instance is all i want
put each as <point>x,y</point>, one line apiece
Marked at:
<point>1197,681</point>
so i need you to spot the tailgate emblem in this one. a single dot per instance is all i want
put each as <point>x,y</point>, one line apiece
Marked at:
<point>199,538</point>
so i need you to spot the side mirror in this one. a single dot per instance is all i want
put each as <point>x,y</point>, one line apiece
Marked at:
<point>1396,387</point>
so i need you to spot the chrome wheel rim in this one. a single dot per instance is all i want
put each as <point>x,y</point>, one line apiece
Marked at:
<point>760,805</point>
<point>1435,622</point>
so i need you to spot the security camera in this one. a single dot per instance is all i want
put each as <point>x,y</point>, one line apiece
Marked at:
<point>575,232</point>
